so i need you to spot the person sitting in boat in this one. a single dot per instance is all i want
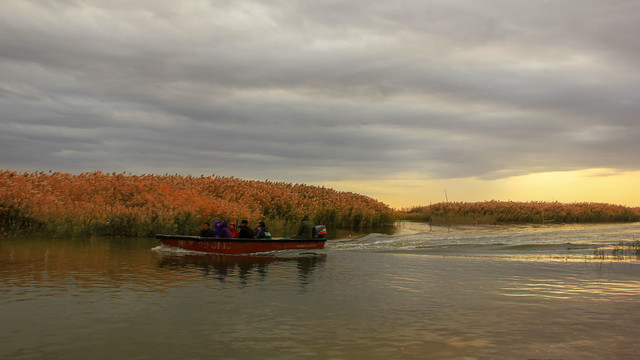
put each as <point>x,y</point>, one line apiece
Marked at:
<point>245,231</point>
<point>224,230</point>
<point>232,228</point>
<point>216,225</point>
<point>306,229</point>
<point>262,232</point>
<point>206,231</point>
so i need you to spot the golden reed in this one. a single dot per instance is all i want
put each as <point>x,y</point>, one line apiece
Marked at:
<point>119,204</point>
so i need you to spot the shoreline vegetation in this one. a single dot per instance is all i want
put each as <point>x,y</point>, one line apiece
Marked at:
<point>125,205</point>
<point>119,204</point>
<point>513,212</point>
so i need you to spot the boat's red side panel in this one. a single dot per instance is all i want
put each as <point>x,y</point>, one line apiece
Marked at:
<point>238,246</point>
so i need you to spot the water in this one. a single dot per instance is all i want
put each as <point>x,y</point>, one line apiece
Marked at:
<point>517,292</point>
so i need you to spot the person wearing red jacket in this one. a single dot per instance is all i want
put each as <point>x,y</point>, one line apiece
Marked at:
<point>232,228</point>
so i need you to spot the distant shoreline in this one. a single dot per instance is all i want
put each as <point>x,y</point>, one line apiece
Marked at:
<point>511,212</point>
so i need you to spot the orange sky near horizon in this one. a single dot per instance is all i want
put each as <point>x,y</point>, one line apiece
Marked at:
<point>592,185</point>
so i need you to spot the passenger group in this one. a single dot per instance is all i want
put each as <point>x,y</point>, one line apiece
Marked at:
<point>225,229</point>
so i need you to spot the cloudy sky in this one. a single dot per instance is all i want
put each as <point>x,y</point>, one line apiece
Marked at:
<point>408,101</point>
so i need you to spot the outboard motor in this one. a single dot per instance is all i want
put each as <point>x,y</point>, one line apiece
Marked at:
<point>321,231</point>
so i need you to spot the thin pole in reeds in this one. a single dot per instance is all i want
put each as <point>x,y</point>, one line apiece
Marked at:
<point>446,212</point>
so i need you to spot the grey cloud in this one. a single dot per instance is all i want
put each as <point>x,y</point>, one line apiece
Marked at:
<point>312,91</point>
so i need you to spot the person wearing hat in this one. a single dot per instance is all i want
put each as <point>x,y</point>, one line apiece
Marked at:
<point>216,226</point>
<point>232,228</point>
<point>262,232</point>
<point>224,230</point>
<point>245,231</point>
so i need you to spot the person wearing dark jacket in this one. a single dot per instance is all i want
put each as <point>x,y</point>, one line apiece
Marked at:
<point>206,231</point>
<point>262,232</point>
<point>224,230</point>
<point>245,231</point>
<point>306,229</point>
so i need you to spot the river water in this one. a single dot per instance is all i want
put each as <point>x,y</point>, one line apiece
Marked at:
<point>483,292</point>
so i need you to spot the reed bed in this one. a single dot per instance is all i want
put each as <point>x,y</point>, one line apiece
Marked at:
<point>119,204</point>
<point>624,250</point>
<point>496,212</point>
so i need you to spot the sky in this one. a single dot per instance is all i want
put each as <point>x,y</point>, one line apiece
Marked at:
<point>411,102</point>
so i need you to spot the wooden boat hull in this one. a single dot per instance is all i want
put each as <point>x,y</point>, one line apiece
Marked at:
<point>238,246</point>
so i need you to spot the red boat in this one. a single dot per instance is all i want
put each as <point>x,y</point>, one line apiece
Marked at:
<point>238,246</point>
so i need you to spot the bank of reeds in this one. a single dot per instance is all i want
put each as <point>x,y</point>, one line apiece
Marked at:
<point>500,212</point>
<point>629,250</point>
<point>118,204</point>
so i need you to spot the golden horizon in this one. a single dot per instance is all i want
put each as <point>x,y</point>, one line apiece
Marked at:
<point>581,186</point>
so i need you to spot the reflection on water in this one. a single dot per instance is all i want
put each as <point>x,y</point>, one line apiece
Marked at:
<point>36,263</point>
<point>244,267</point>
<point>418,293</point>
<point>567,288</point>
<point>86,263</point>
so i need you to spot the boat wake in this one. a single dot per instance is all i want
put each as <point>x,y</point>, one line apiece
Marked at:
<point>172,250</point>
<point>544,240</point>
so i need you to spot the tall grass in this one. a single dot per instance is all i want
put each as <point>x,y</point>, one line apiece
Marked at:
<point>495,212</point>
<point>119,204</point>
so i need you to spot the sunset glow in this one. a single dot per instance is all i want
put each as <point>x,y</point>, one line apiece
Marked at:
<point>594,185</point>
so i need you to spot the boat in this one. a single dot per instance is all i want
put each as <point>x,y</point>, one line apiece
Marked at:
<point>235,246</point>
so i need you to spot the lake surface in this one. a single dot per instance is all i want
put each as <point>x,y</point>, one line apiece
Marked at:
<point>510,292</point>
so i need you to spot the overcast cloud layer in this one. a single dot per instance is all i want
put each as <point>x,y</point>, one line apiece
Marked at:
<point>320,91</point>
